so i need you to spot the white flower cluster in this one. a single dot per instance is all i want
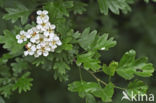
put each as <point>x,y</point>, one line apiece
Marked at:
<point>42,38</point>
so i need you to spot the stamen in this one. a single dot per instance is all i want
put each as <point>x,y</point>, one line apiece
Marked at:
<point>53,42</point>
<point>43,24</point>
<point>34,34</point>
<point>41,39</point>
<point>43,48</point>
<point>22,37</point>
<point>50,30</point>
<point>42,15</point>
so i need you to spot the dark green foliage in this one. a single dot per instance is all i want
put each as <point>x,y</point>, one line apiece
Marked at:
<point>15,13</point>
<point>115,6</point>
<point>10,43</point>
<point>88,61</point>
<point>85,88</point>
<point>137,86</point>
<point>87,31</point>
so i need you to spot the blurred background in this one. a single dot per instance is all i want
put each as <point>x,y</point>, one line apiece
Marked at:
<point>135,30</point>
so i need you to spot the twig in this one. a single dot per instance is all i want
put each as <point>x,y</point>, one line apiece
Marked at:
<point>99,80</point>
<point>80,74</point>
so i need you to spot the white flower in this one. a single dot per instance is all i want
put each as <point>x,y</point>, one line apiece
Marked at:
<point>34,38</point>
<point>49,38</point>
<point>21,37</point>
<point>34,34</point>
<point>33,31</point>
<point>50,31</point>
<point>43,17</point>
<point>43,26</point>
<point>41,13</point>
<point>53,45</point>
<point>41,39</point>
<point>40,20</point>
<point>56,38</point>
<point>36,55</point>
<point>30,49</point>
<point>45,46</point>
<point>59,43</point>
<point>56,41</point>
<point>43,50</point>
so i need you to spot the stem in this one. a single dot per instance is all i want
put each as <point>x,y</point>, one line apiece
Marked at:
<point>99,80</point>
<point>98,71</point>
<point>117,87</point>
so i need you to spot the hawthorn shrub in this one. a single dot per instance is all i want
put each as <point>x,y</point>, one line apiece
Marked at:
<point>75,41</point>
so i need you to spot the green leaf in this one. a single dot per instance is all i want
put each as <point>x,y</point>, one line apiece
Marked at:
<point>10,43</point>
<point>114,6</point>
<point>91,41</point>
<point>39,61</point>
<point>61,67</point>
<point>102,42</point>
<point>103,5</point>
<point>8,85</point>
<point>129,66</point>
<point>23,83</point>
<point>67,46</point>
<point>6,90</point>
<point>5,71</point>
<point>66,42</point>
<point>85,88</point>
<point>58,9</point>
<point>88,61</point>
<point>19,66</point>
<point>79,7</point>
<point>147,1</point>
<point>90,98</point>
<point>76,35</point>
<point>110,70</point>
<point>5,57</point>
<point>105,93</point>
<point>136,87</point>
<point>87,38</point>
<point>15,13</point>
<point>60,70</point>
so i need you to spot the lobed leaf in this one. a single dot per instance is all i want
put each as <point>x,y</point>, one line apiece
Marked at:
<point>110,70</point>
<point>114,6</point>
<point>129,66</point>
<point>87,38</point>
<point>79,7</point>
<point>10,43</point>
<point>88,61</point>
<point>91,88</point>
<point>102,42</point>
<point>19,66</point>
<point>23,83</point>
<point>136,87</point>
<point>15,13</point>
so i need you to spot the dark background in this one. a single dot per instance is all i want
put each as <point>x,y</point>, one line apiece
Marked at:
<point>135,30</point>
